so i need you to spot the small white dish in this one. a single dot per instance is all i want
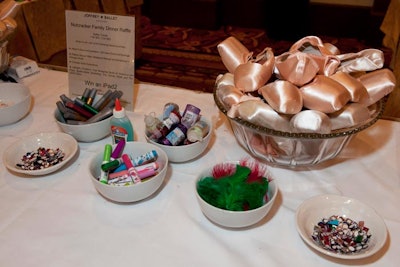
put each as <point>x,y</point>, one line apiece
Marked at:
<point>314,209</point>
<point>14,153</point>
<point>15,102</point>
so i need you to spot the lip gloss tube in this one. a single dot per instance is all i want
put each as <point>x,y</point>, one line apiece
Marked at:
<point>131,170</point>
<point>106,158</point>
<point>118,149</point>
<point>153,165</point>
<point>112,164</point>
<point>143,173</point>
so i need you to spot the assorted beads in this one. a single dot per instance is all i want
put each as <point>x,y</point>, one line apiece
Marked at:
<point>341,234</point>
<point>41,158</point>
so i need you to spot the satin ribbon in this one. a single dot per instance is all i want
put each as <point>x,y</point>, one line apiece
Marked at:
<point>297,68</point>
<point>322,55</point>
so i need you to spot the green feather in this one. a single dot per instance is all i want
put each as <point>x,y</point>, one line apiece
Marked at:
<point>233,192</point>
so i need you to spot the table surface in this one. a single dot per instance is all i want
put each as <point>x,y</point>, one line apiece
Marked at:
<point>61,220</point>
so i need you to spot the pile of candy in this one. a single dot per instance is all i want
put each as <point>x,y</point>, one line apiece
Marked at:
<point>235,187</point>
<point>41,158</point>
<point>341,234</point>
<point>174,128</point>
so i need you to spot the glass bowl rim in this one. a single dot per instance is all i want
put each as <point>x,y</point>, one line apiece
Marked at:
<point>380,107</point>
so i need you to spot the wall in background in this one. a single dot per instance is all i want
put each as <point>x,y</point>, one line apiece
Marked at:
<point>367,3</point>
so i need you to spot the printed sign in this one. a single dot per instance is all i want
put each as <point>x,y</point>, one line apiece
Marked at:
<point>101,53</point>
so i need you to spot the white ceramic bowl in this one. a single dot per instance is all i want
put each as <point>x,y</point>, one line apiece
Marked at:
<point>314,209</point>
<point>14,153</point>
<point>90,132</point>
<point>236,219</point>
<point>189,152</point>
<point>15,102</point>
<point>136,192</point>
<point>85,132</point>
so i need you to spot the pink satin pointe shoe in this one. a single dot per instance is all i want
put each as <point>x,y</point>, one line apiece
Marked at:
<point>249,73</point>
<point>233,53</point>
<point>311,121</point>
<point>357,90</point>
<point>378,83</point>
<point>365,60</point>
<point>283,96</point>
<point>324,94</point>
<point>256,73</point>
<point>352,114</point>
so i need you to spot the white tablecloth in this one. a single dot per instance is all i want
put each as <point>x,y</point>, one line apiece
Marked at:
<point>61,220</point>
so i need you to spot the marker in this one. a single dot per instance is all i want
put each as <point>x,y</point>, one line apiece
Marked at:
<point>103,114</point>
<point>85,94</point>
<point>65,99</point>
<point>101,100</point>
<point>88,107</point>
<point>106,158</point>
<point>91,97</point>
<point>73,115</point>
<point>131,170</point>
<point>79,109</point>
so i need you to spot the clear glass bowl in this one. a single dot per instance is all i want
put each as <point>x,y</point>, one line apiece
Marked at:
<point>294,149</point>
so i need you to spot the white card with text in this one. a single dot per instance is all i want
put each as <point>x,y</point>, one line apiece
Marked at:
<point>101,54</point>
